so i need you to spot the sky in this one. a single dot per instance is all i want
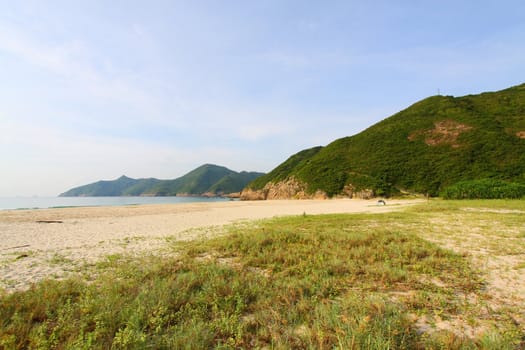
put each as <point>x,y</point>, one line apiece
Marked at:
<point>93,90</point>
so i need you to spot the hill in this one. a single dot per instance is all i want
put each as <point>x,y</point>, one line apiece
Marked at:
<point>207,179</point>
<point>425,148</point>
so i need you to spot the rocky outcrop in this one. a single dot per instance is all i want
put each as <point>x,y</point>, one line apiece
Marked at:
<point>252,195</point>
<point>295,189</point>
<point>287,189</point>
<point>350,192</point>
<point>234,195</point>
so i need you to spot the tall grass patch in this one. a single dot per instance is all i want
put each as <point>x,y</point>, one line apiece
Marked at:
<point>308,282</point>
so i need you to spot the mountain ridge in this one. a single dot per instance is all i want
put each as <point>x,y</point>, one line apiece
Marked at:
<point>206,180</point>
<point>432,144</point>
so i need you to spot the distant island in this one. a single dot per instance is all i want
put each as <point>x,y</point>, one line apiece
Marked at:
<point>207,180</point>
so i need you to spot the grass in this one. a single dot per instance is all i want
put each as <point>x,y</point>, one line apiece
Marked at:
<point>306,282</point>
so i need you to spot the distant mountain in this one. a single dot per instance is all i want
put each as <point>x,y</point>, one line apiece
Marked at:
<point>433,144</point>
<point>207,179</point>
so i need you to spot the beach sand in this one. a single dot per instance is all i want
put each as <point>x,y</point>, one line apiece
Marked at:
<point>38,244</point>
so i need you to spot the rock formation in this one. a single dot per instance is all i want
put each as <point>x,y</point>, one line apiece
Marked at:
<point>287,189</point>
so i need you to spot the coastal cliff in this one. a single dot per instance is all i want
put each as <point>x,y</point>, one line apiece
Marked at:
<point>295,189</point>
<point>287,189</point>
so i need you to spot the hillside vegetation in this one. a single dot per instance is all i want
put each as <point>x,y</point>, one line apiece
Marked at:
<point>425,148</point>
<point>484,189</point>
<point>206,179</point>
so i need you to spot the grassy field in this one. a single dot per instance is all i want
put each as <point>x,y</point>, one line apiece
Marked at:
<point>440,275</point>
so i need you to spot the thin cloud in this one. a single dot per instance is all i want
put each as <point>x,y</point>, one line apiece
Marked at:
<point>74,61</point>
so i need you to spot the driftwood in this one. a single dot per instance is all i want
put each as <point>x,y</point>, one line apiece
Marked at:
<point>49,221</point>
<point>18,246</point>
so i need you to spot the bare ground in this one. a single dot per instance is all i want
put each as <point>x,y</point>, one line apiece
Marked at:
<point>37,244</point>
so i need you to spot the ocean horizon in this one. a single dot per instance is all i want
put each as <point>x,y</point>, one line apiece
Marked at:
<point>20,203</point>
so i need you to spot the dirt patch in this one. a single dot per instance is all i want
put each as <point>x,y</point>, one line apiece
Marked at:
<point>445,132</point>
<point>489,210</point>
<point>495,248</point>
<point>521,134</point>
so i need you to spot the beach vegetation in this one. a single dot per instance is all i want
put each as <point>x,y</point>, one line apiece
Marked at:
<point>484,189</point>
<point>357,281</point>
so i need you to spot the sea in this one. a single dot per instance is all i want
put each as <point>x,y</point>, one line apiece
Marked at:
<point>9,203</point>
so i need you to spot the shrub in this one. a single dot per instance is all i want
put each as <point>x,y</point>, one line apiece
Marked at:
<point>484,189</point>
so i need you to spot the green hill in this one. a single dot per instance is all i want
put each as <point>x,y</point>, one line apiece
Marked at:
<point>119,187</point>
<point>206,179</point>
<point>433,144</point>
<point>230,183</point>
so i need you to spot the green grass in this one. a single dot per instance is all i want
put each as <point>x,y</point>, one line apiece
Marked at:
<point>307,282</point>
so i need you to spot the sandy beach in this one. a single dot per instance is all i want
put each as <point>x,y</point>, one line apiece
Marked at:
<point>36,244</point>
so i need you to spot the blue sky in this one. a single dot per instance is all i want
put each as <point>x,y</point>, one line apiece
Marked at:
<point>92,90</point>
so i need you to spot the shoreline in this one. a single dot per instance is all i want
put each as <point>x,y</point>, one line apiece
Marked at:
<point>42,243</point>
<point>53,202</point>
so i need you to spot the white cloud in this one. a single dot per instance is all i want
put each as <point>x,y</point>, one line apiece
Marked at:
<point>57,160</point>
<point>45,160</point>
<point>85,69</point>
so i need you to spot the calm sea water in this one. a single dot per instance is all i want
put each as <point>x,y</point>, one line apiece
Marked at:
<point>59,202</point>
